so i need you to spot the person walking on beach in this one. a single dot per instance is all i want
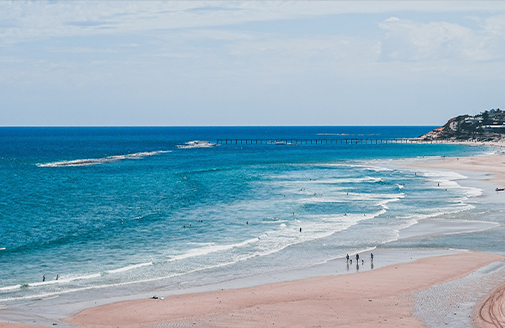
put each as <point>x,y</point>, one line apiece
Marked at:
<point>347,257</point>
<point>357,257</point>
<point>371,256</point>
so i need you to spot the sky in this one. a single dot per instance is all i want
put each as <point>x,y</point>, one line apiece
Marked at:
<point>249,63</point>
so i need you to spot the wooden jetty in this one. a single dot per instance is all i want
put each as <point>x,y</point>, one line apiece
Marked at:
<point>290,141</point>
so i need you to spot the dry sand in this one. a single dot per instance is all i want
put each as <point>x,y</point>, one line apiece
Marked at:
<point>382,296</point>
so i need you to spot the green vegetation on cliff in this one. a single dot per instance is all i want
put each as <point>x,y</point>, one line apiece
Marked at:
<point>486,126</point>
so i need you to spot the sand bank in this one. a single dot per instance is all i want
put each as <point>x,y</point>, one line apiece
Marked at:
<point>366,299</point>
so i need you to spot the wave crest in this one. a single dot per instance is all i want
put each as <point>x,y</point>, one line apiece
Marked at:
<point>196,144</point>
<point>103,160</point>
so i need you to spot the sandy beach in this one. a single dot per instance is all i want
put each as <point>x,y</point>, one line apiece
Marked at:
<point>358,300</point>
<point>382,296</point>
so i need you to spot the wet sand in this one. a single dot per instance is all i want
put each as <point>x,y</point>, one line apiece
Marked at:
<point>490,312</point>
<point>18,325</point>
<point>382,296</point>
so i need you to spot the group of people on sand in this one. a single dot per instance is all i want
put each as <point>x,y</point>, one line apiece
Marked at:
<point>349,260</point>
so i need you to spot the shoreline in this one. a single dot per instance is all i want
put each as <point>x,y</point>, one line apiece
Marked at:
<point>358,300</point>
<point>487,312</point>
<point>490,164</point>
<point>386,296</point>
<point>326,270</point>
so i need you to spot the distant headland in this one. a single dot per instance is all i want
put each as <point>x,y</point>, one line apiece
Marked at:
<point>486,126</point>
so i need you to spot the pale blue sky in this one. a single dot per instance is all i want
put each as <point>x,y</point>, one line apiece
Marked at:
<point>249,63</point>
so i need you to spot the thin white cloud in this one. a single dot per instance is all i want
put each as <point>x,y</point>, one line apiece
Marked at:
<point>28,20</point>
<point>412,41</point>
<point>186,56</point>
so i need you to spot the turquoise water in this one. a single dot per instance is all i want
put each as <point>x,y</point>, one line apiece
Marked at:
<point>118,206</point>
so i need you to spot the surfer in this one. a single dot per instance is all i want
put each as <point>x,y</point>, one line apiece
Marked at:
<point>57,276</point>
<point>43,278</point>
<point>300,229</point>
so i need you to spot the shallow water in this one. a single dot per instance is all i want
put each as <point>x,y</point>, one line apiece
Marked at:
<point>104,207</point>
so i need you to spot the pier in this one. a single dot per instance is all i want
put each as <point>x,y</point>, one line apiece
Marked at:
<point>290,141</point>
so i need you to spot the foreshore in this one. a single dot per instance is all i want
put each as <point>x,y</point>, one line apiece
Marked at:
<point>384,295</point>
<point>489,311</point>
<point>354,300</point>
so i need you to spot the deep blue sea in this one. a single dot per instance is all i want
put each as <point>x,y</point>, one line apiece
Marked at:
<point>124,205</point>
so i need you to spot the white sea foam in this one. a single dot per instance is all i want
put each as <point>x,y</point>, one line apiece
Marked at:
<point>61,280</point>
<point>212,248</point>
<point>349,180</point>
<point>332,134</point>
<point>351,197</point>
<point>366,166</point>
<point>130,267</point>
<point>196,144</point>
<point>448,179</point>
<point>103,160</point>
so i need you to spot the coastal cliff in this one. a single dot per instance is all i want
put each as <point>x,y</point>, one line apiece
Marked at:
<point>486,126</point>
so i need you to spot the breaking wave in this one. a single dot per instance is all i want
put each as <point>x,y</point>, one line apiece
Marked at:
<point>196,144</point>
<point>103,160</point>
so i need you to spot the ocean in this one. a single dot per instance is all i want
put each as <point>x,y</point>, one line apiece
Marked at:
<point>143,207</point>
